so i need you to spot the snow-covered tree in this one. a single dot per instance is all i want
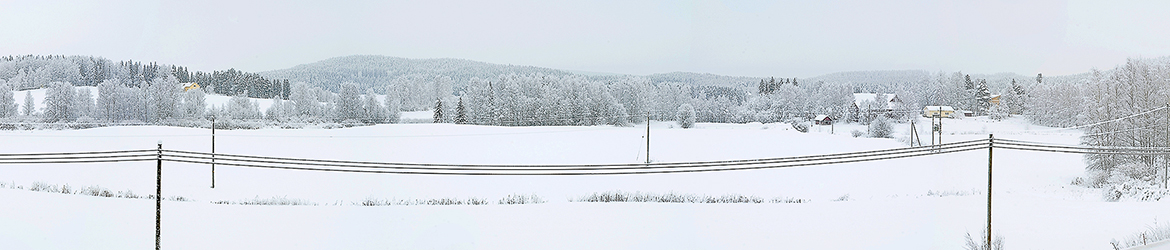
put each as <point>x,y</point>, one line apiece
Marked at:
<point>460,113</point>
<point>999,111</point>
<point>880,128</point>
<point>305,101</point>
<point>7,101</point>
<point>349,102</point>
<point>372,111</point>
<point>108,100</point>
<point>1016,96</point>
<point>83,105</point>
<point>58,99</point>
<point>194,103</point>
<point>163,98</point>
<point>686,116</point>
<point>1134,87</point>
<point>239,107</point>
<point>438,111</point>
<point>982,96</point>
<point>274,111</point>
<point>29,108</point>
<point>393,109</point>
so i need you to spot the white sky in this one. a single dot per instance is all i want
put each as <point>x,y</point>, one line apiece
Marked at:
<point>751,38</point>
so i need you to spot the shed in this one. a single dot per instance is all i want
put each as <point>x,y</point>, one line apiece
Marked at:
<point>823,120</point>
<point>938,111</point>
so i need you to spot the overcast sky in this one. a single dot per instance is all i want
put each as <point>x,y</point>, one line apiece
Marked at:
<point>747,38</point>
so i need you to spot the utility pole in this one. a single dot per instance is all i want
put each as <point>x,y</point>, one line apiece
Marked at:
<point>212,151</point>
<point>158,203</point>
<point>913,133</point>
<point>990,146</point>
<point>647,138</point>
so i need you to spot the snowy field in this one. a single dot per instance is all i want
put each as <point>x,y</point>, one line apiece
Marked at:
<point>887,205</point>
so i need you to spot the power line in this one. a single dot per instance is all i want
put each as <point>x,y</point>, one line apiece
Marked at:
<point>749,167</point>
<point>306,161</point>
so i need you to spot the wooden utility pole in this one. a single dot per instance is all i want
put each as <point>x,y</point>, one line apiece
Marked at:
<point>647,138</point>
<point>212,151</point>
<point>914,133</point>
<point>158,203</point>
<point>990,146</point>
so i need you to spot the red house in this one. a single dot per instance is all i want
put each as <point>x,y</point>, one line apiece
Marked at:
<point>823,120</point>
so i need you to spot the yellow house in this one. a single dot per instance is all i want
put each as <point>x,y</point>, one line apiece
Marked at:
<point>994,99</point>
<point>938,111</point>
<point>192,86</point>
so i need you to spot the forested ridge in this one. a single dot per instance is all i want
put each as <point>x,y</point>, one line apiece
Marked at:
<point>375,89</point>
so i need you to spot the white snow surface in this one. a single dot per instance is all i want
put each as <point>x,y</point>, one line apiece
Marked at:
<point>1035,207</point>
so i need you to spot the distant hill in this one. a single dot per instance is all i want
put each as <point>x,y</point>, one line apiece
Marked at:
<point>873,81</point>
<point>373,70</point>
<point>705,79</point>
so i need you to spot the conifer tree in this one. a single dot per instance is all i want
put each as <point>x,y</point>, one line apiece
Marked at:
<point>983,96</point>
<point>460,113</point>
<point>29,107</point>
<point>438,110</point>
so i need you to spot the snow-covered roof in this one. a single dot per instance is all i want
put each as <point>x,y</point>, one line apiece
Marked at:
<point>944,108</point>
<point>860,97</point>
<point>821,117</point>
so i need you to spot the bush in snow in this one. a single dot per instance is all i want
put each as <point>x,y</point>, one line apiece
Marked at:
<point>619,196</point>
<point>417,202</point>
<point>686,116</point>
<point>274,201</point>
<point>521,199</point>
<point>981,243</point>
<point>1153,233</point>
<point>856,133</point>
<point>788,200</point>
<point>800,126</point>
<point>881,128</point>
<point>1131,181</point>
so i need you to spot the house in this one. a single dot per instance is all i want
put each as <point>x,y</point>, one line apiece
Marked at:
<point>938,111</point>
<point>823,120</point>
<point>891,103</point>
<point>994,100</point>
<point>190,87</point>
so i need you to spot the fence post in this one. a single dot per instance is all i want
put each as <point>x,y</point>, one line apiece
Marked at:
<point>158,203</point>
<point>990,146</point>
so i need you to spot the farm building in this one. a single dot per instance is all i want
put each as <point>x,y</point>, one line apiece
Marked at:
<point>938,111</point>
<point>823,120</point>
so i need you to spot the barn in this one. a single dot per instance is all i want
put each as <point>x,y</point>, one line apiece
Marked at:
<point>823,120</point>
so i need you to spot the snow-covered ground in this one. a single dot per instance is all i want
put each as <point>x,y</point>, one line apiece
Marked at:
<point>888,206</point>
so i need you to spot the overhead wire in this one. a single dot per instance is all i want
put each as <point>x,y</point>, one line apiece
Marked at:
<point>748,167</point>
<point>307,161</point>
<point>570,168</point>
